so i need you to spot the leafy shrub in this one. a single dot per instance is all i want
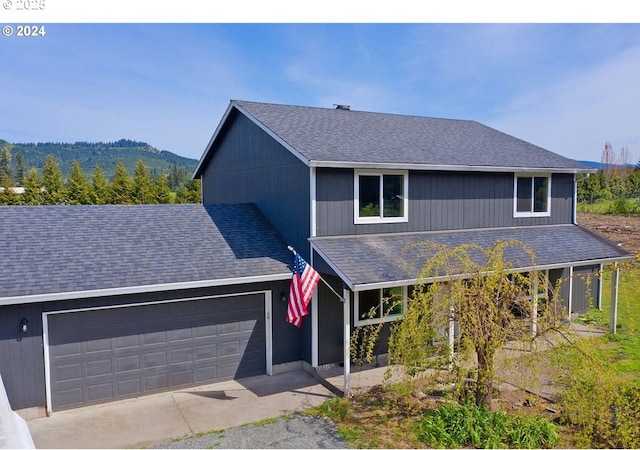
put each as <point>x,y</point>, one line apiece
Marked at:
<point>600,404</point>
<point>532,432</point>
<point>607,417</point>
<point>465,425</point>
<point>592,316</point>
<point>619,206</point>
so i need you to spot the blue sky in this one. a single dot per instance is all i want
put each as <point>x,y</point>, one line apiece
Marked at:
<point>566,87</point>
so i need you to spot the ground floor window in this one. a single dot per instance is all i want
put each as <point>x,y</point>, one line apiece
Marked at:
<point>539,290</point>
<point>388,304</point>
<point>379,305</point>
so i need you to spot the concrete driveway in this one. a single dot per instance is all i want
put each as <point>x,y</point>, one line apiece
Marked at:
<point>151,419</point>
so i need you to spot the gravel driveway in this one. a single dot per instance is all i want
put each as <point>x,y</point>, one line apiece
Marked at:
<point>294,431</point>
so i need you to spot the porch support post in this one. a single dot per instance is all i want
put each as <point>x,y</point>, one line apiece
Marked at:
<point>615,278</point>
<point>346,312</point>
<point>314,329</point>
<point>570,293</point>
<point>534,317</point>
<point>600,279</point>
<point>451,336</point>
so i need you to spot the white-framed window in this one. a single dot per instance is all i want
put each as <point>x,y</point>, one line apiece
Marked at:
<point>538,290</point>
<point>379,305</point>
<point>381,197</point>
<point>532,195</point>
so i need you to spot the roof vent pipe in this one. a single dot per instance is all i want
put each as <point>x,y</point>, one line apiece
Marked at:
<point>344,107</point>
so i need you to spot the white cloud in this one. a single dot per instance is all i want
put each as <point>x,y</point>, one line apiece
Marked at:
<point>578,114</point>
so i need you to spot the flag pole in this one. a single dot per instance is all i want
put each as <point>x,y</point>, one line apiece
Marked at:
<point>292,250</point>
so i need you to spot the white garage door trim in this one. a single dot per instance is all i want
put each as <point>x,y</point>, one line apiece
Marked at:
<point>45,329</point>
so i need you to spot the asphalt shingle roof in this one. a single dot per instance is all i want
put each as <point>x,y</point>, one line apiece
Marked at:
<point>53,249</point>
<point>348,136</point>
<point>383,258</point>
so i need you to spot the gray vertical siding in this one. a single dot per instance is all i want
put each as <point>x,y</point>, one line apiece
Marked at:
<point>286,338</point>
<point>22,355</point>
<point>559,279</point>
<point>438,201</point>
<point>330,335</point>
<point>249,166</point>
<point>585,288</point>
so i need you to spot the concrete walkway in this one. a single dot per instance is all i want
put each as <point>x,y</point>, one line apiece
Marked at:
<point>143,421</point>
<point>157,418</point>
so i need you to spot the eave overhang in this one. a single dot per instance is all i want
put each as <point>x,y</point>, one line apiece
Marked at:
<point>445,167</point>
<point>128,290</point>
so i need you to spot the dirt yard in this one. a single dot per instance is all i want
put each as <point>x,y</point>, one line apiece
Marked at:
<point>622,229</point>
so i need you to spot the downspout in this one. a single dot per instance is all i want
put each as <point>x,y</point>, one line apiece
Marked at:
<point>314,299</point>
<point>575,199</point>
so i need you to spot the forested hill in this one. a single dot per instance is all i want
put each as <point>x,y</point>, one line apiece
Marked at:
<point>105,154</point>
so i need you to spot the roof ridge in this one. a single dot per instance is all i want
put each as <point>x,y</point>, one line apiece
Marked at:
<point>331,137</point>
<point>351,110</point>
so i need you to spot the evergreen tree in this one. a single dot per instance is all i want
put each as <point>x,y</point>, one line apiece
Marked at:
<point>163,193</point>
<point>121,186</point>
<point>634,184</point>
<point>190,192</point>
<point>175,177</point>
<point>101,193</point>
<point>143,186</point>
<point>7,194</point>
<point>5,165</point>
<point>78,185</point>
<point>21,169</point>
<point>54,191</point>
<point>33,194</point>
<point>590,187</point>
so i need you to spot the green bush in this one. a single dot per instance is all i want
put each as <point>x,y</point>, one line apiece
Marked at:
<point>600,404</point>
<point>619,206</point>
<point>467,425</point>
<point>592,316</point>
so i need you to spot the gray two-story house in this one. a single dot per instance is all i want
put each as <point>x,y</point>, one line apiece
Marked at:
<point>350,190</point>
<point>99,303</point>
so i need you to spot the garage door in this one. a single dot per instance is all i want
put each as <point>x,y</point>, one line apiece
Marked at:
<point>107,354</point>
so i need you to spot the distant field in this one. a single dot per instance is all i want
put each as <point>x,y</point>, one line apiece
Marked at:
<point>608,206</point>
<point>626,230</point>
<point>626,356</point>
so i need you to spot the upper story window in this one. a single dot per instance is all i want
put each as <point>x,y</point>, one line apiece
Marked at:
<point>532,195</point>
<point>381,196</point>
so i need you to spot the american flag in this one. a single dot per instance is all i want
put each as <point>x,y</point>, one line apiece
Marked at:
<point>303,283</point>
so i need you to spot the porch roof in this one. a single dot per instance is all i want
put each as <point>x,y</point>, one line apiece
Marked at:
<point>372,261</point>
